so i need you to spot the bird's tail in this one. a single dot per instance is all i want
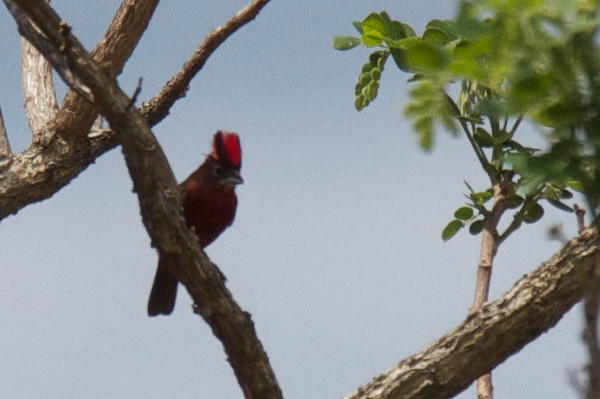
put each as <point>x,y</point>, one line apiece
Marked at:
<point>164,290</point>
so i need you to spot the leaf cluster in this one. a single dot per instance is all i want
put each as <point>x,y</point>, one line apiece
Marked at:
<point>536,59</point>
<point>528,208</point>
<point>427,55</point>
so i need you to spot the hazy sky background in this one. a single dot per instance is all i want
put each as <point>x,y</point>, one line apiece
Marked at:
<point>336,247</point>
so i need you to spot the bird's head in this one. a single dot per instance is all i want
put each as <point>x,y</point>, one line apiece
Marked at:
<point>227,153</point>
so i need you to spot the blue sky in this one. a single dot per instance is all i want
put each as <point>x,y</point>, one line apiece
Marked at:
<point>336,247</point>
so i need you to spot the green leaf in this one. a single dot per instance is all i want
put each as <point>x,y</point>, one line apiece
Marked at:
<point>514,201</point>
<point>374,30</point>
<point>446,27</point>
<point>435,36</point>
<point>483,138</point>
<point>451,229</point>
<point>576,185</point>
<point>345,42</point>
<point>410,32</point>
<point>429,105</point>
<point>533,212</point>
<point>397,30</point>
<point>371,90</point>
<point>476,227</point>
<point>358,26</point>
<point>560,205</point>
<point>401,60</point>
<point>519,148</point>
<point>387,23</point>
<point>480,197</point>
<point>422,55</point>
<point>464,213</point>
<point>552,191</point>
<point>424,128</point>
<point>366,89</point>
<point>468,186</point>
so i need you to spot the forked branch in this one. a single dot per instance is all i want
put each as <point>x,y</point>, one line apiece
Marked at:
<point>64,159</point>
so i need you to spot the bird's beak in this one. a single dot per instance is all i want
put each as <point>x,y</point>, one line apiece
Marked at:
<point>234,178</point>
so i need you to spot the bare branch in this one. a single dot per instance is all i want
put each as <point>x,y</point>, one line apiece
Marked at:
<point>64,159</point>
<point>64,150</point>
<point>4,144</point>
<point>38,88</point>
<point>498,330</point>
<point>161,210</point>
<point>176,87</point>
<point>136,93</point>
<point>43,45</point>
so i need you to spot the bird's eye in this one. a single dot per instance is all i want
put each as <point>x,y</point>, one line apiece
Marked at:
<point>218,171</point>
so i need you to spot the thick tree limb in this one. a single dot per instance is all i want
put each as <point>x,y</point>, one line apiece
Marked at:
<point>501,328</point>
<point>161,209</point>
<point>63,150</point>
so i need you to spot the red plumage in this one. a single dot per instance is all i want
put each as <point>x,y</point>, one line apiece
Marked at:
<point>209,204</point>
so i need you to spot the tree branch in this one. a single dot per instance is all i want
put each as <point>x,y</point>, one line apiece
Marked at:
<point>64,150</point>
<point>161,209</point>
<point>38,89</point>
<point>461,120</point>
<point>27,182</point>
<point>39,41</point>
<point>501,328</point>
<point>176,87</point>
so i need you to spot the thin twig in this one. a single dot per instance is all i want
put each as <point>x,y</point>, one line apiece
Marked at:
<point>518,217</point>
<point>480,155</point>
<point>176,87</point>
<point>4,144</point>
<point>580,213</point>
<point>515,126</point>
<point>136,93</point>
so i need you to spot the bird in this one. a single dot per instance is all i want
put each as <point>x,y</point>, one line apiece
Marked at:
<point>209,205</point>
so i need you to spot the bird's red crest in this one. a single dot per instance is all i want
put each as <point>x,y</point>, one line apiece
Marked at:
<point>226,147</point>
